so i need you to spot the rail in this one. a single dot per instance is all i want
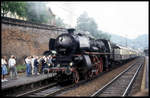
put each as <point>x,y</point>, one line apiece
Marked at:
<point>49,90</point>
<point>131,82</point>
<point>106,88</point>
<point>32,91</point>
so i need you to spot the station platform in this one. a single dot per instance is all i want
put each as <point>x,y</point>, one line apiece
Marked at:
<point>145,80</point>
<point>24,80</point>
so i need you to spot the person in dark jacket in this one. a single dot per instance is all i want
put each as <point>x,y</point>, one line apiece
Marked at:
<point>36,65</point>
<point>43,64</point>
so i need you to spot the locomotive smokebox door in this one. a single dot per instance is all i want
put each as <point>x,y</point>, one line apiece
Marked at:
<point>52,44</point>
<point>87,62</point>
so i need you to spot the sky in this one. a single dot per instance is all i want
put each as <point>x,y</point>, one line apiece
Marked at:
<point>128,19</point>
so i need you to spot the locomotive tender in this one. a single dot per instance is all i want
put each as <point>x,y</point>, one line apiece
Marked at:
<point>81,57</point>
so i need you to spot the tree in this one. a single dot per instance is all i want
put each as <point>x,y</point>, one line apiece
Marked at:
<point>59,22</point>
<point>85,23</point>
<point>37,12</point>
<point>18,8</point>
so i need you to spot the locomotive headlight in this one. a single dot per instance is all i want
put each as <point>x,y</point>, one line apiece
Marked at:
<point>71,63</point>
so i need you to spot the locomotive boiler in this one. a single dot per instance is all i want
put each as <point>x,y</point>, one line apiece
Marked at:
<point>79,56</point>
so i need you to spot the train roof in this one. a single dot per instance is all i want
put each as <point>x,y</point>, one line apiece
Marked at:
<point>113,45</point>
<point>122,47</point>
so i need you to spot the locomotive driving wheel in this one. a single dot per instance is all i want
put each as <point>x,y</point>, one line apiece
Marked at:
<point>96,65</point>
<point>75,77</point>
<point>101,65</point>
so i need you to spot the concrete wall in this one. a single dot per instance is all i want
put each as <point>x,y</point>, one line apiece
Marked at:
<point>23,40</point>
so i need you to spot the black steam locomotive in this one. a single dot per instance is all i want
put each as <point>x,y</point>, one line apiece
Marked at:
<point>80,57</point>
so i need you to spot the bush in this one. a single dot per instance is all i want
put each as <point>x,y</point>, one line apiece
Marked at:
<point>21,67</point>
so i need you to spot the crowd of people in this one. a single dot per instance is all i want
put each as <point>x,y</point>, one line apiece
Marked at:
<point>35,65</point>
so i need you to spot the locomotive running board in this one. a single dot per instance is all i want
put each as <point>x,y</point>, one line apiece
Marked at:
<point>96,53</point>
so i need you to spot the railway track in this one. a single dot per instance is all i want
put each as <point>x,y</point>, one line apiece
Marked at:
<point>49,90</point>
<point>121,84</point>
<point>36,90</point>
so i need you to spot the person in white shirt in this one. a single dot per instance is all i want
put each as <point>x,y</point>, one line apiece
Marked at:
<point>4,68</point>
<point>12,67</point>
<point>28,66</point>
<point>32,64</point>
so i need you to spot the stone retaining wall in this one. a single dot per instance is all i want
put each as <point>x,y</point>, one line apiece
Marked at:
<point>22,38</point>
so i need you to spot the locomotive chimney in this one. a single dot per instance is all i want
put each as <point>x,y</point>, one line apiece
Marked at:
<point>71,31</point>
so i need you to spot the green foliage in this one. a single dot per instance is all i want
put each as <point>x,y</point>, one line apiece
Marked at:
<point>18,8</point>
<point>85,23</point>
<point>37,12</point>
<point>59,22</point>
<point>33,11</point>
<point>21,67</point>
